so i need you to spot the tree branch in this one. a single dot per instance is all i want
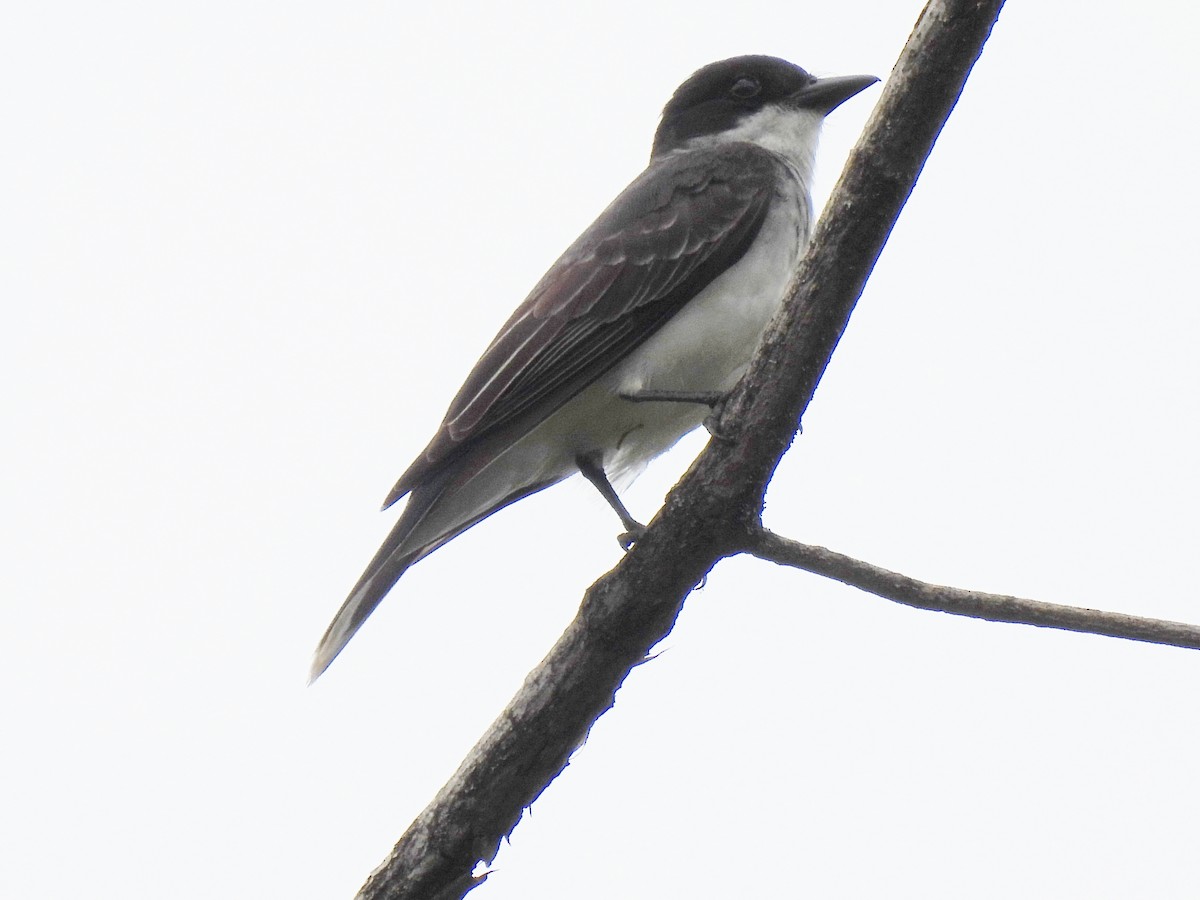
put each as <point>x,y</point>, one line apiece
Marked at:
<point>889,585</point>
<point>718,502</point>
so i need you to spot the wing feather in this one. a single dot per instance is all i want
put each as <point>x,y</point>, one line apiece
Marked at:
<point>685,220</point>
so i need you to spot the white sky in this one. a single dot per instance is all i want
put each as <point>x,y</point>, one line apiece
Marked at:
<point>232,251</point>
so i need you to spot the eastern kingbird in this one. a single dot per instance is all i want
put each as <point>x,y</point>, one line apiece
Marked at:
<point>665,296</point>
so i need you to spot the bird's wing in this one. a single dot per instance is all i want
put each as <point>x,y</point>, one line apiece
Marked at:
<point>685,220</point>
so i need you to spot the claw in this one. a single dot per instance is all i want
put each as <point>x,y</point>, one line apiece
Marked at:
<point>628,538</point>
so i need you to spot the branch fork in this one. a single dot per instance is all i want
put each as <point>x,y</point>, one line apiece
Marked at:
<point>715,510</point>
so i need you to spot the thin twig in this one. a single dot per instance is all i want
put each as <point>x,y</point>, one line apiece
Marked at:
<point>993,607</point>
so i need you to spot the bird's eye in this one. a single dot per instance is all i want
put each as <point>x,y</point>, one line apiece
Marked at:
<point>745,88</point>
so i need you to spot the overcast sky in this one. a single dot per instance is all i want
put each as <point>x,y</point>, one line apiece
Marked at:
<point>250,250</point>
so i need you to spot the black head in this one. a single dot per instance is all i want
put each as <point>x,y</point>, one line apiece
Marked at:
<point>723,94</point>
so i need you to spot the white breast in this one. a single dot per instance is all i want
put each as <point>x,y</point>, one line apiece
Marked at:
<point>707,345</point>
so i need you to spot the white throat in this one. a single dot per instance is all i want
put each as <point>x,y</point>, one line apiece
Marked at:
<point>791,134</point>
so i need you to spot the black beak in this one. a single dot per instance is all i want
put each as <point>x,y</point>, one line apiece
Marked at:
<point>827,94</point>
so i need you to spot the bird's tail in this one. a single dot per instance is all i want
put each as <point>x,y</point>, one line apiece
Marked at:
<point>406,544</point>
<point>381,574</point>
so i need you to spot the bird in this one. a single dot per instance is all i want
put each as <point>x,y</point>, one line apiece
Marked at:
<point>653,312</point>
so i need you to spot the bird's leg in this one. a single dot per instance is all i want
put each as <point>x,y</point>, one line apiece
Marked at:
<point>714,400</point>
<point>646,395</point>
<point>594,472</point>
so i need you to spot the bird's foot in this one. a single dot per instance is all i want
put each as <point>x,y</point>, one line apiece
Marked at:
<point>628,538</point>
<point>714,400</point>
<point>712,422</point>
